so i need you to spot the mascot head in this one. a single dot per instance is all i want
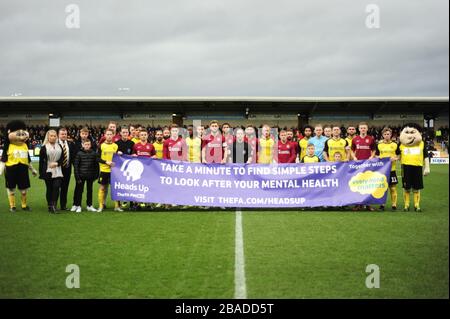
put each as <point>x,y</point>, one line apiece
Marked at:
<point>410,134</point>
<point>17,132</point>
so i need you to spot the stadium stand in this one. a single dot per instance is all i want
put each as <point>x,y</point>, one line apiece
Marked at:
<point>283,113</point>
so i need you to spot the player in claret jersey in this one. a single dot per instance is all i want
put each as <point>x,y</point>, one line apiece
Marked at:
<point>143,147</point>
<point>175,147</point>
<point>363,145</point>
<point>363,148</point>
<point>284,150</point>
<point>158,144</point>
<point>227,132</point>
<point>294,143</point>
<point>214,145</point>
<point>166,133</point>
<point>388,148</point>
<point>252,140</point>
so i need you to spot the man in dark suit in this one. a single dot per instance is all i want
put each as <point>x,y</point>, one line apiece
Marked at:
<point>68,156</point>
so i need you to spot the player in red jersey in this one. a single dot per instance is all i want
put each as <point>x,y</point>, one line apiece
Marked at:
<point>143,147</point>
<point>294,143</point>
<point>284,150</point>
<point>363,148</point>
<point>113,127</point>
<point>214,145</point>
<point>227,132</point>
<point>175,147</point>
<point>252,140</point>
<point>363,145</point>
<point>166,133</point>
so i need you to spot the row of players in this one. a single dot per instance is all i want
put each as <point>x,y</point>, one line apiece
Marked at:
<point>58,155</point>
<point>219,146</point>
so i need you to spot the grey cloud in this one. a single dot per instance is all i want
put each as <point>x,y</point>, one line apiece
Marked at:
<point>225,48</point>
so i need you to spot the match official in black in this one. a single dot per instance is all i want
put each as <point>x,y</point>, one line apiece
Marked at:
<point>125,145</point>
<point>240,151</point>
<point>68,156</point>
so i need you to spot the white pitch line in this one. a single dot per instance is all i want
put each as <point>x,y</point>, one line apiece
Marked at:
<point>240,288</point>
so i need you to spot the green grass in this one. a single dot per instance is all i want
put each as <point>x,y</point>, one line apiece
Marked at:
<point>288,254</point>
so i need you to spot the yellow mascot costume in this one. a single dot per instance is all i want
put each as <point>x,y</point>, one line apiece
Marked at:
<point>15,163</point>
<point>415,164</point>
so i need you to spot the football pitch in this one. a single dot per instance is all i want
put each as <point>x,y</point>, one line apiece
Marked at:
<point>200,254</point>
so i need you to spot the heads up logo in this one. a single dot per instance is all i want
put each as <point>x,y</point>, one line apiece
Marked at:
<point>132,170</point>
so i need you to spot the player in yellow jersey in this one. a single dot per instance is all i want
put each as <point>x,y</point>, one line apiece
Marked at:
<point>194,149</point>
<point>303,143</point>
<point>135,134</point>
<point>310,157</point>
<point>351,133</point>
<point>194,143</point>
<point>336,144</point>
<point>413,156</point>
<point>132,130</point>
<point>158,144</point>
<point>266,146</point>
<point>106,150</point>
<point>387,148</point>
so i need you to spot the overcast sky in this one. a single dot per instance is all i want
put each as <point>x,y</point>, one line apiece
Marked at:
<point>225,48</point>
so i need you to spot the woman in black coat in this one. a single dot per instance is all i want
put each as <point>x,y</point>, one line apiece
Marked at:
<point>86,171</point>
<point>50,162</point>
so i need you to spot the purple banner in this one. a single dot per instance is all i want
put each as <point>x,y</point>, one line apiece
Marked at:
<point>148,180</point>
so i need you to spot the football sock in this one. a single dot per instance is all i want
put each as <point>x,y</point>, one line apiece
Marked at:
<point>394,196</point>
<point>406,197</point>
<point>12,200</point>
<point>417,199</point>
<point>24,200</point>
<point>101,198</point>
<point>105,196</point>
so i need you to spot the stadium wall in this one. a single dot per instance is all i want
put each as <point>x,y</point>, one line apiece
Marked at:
<point>282,112</point>
<point>244,122</point>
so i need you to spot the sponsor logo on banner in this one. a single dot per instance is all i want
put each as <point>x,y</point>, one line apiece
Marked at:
<point>132,170</point>
<point>439,160</point>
